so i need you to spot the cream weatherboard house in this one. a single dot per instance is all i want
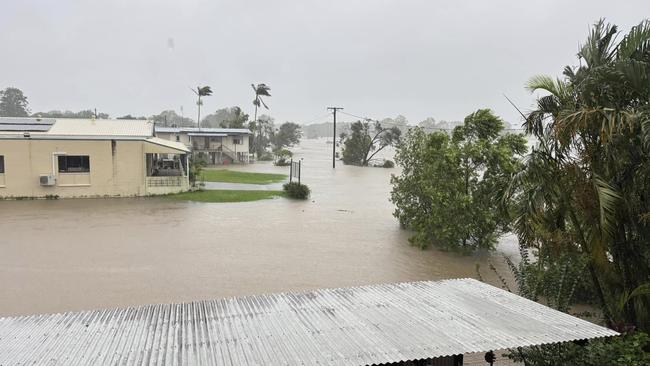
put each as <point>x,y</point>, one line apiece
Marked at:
<point>88,158</point>
<point>216,145</point>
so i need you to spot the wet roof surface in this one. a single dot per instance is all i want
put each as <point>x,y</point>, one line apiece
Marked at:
<point>347,326</point>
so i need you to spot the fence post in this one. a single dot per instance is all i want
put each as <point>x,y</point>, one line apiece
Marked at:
<point>291,171</point>
<point>299,170</point>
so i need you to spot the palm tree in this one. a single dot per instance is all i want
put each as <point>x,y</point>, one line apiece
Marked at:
<point>201,91</point>
<point>260,90</point>
<point>583,190</point>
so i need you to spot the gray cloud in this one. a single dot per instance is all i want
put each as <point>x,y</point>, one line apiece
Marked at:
<point>376,58</point>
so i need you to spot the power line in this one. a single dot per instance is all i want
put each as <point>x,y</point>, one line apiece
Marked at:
<point>317,118</point>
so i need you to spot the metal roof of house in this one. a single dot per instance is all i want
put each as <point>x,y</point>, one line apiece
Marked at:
<point>102,127</point>
<point>70,128</point>
<point>203,130</point>
<point>208,134</point>
<point>346,326</point>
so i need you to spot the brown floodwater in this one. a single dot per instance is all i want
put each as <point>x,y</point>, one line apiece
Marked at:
<point>79,254</point>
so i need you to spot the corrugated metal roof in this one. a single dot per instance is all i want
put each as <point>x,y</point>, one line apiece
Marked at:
<point>347,326</point>
<point>237,131</point>
<point>101,127</point>
<point>70,128</point>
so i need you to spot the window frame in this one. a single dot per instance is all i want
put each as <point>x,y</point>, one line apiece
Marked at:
<point>66,169</point>
<point>2,164</point>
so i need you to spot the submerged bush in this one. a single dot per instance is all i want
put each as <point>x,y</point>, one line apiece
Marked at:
<point>282,157</point>
<point>266,156</point>
<point>297,190</point>
<point>388,164</point>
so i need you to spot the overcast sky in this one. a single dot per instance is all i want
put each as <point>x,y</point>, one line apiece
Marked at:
<point>421,59</point>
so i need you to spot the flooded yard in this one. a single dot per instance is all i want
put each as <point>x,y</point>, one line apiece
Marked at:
<point>70,254</point>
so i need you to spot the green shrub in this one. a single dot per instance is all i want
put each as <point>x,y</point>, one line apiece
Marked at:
<point>388,164</point>
<point>282,157</point>
<point>297,190</point>
<point>266,156</point>
<point>196,167</point>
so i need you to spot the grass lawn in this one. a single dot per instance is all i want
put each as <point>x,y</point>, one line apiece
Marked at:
<point>231,176</point>
<point>225,195</point>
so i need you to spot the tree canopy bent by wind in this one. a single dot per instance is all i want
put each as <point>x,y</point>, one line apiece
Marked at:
<point>447,192</point>
<point>366,140</point>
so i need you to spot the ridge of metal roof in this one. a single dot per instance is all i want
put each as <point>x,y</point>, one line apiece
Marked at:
<point>362,325</point>
<point>163,129</point>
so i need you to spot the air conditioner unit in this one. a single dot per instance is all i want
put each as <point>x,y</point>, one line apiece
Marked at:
<point>48,180</point>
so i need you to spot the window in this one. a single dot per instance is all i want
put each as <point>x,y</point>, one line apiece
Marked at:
<point>237,141</point>
<point>178,138</point>
<point>2,164</point>
<point>74,164</point>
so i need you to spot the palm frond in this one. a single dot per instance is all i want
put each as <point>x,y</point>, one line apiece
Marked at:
<point>204,91</point>
<point>635,42</point>
<point>608,199</point>
<point>599,49</point>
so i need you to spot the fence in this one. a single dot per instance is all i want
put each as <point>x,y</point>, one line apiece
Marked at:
<point>165,181</point>
<point>295,170</point>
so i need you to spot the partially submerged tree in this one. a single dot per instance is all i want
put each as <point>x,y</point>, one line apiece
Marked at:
<point>282,157</point>
<point>262,130</point>
<point>366,140</point>
<point>287,135</point>
<point>13,103</point>
<point>448,192</point>
<point>260,138</point>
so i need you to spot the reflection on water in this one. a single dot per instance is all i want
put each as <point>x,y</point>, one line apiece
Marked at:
<point>93,253</point>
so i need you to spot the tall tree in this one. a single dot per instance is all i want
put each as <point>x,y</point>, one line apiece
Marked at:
<point>237,119</point>
<point>13,103</point>
<point>366,139</point>
<point>261,90</point>
<point>287,135</point>
<point>447,192</point>
<point>584,190</point>
<point>262,130</point>
<point>201,91</point>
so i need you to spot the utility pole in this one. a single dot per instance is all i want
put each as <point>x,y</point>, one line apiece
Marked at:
<point>334,136</point>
